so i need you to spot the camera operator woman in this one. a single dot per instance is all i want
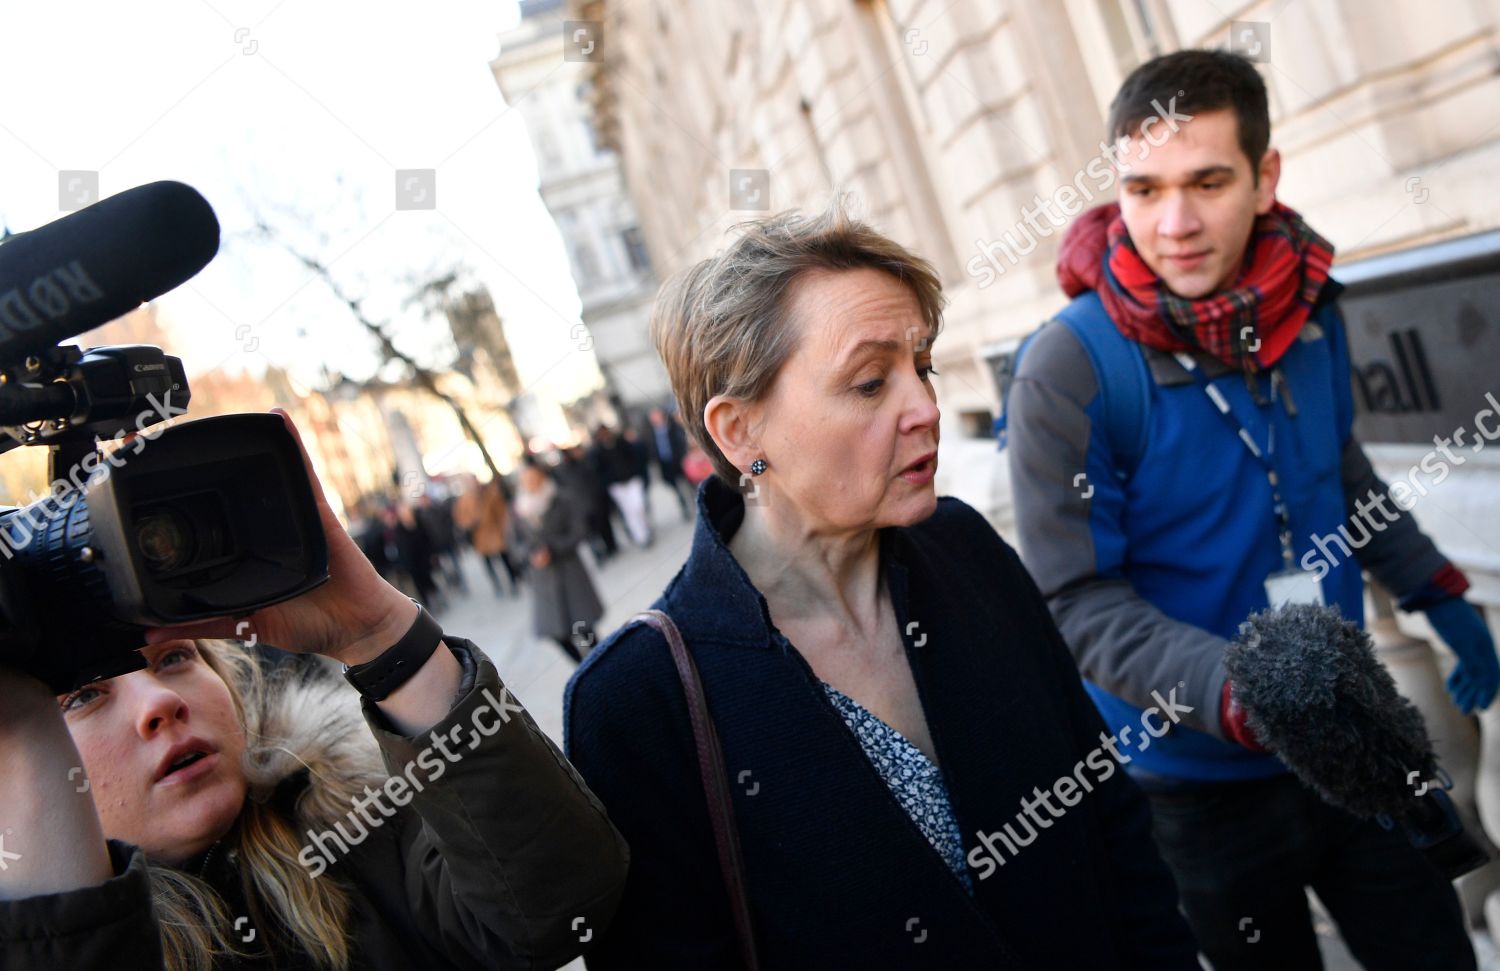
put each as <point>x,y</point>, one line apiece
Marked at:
<point>204,812</point>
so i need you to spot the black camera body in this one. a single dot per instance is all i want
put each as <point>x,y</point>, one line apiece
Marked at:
<point>144,525</point>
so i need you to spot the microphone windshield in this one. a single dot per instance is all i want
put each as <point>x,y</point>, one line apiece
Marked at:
<point>91,266</point>
<point>1315,694</point>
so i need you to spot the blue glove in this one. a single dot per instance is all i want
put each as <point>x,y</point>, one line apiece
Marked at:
<point>1474,682</point>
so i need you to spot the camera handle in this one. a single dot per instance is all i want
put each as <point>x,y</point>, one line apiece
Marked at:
<point>68,398</point>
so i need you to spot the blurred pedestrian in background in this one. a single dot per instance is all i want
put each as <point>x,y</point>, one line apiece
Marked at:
<point>414,551</point>
<point>367,526</point>
<point>549,525</point>
<point>577,474</point>
<point>436,518</point>
<point>696,466</point>
<point>668,449</point>
<point>620,470</point>
<point>639,454</point>
<point>483,512</point>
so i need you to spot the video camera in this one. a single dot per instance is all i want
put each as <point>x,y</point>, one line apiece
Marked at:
<point>143,526</point>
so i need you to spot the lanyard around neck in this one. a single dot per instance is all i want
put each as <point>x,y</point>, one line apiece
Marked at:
<point>1264,457</point>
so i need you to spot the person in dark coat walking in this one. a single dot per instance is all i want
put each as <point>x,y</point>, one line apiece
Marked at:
<point>919,778</point>
<point>368,531</point>
<point>622,469</point>
<point>581,470</point>
<point>575,474</point>
<point>436,519</point>
<point>549,525</point>
<point>640,475</point>
<point>226,818</point>
<point>414,548</point>
<point>668,448</point>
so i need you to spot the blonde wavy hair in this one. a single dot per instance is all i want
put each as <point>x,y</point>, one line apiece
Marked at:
<point>299,911</point>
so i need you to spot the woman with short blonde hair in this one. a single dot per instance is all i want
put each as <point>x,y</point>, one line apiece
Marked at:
<point>888,689</point>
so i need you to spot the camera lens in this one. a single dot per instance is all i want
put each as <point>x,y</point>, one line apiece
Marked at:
<point>165,540</point>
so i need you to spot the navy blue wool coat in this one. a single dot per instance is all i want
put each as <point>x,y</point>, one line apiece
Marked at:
<point>838,874</point>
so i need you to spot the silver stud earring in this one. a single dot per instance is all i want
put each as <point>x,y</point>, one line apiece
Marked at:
<point>757,467</point>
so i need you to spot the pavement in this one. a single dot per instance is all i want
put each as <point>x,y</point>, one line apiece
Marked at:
<point>536,670</point>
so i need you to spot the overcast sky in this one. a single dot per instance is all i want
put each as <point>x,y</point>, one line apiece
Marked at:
<point>302,113</point>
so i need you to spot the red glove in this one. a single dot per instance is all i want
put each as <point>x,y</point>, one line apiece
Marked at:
<point>1232,718</point>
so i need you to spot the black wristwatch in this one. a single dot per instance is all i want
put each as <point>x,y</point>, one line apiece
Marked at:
<point>377,678</point>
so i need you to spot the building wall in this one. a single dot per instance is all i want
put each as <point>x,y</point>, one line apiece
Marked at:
<point>581,185</point>
<point>949,122</point>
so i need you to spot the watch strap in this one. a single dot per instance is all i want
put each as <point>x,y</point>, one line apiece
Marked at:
<point>378,677</point>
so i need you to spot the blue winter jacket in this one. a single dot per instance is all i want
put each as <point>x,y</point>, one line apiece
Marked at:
<point>1150,562</point>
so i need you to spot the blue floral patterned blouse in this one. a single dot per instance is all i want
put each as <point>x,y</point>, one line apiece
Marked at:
<point>912,777</point>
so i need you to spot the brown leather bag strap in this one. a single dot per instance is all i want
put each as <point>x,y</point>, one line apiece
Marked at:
<point>715,783</point>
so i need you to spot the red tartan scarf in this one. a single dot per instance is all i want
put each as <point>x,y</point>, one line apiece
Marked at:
<point>1286,266</point>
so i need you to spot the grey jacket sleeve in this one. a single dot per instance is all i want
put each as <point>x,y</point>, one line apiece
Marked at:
<point>1399,555</point>
<point>514,853</point>
<point>1068,503</point>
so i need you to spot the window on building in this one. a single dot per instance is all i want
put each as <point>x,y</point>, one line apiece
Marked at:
<point>1147,20</point>
<point>635,249</point>
<point>898,111</point>
<point>585,264</point>
<point>593,136</point>
<point>1116,35</point>
<point>814,141</point>
<point>976,423</point>
<point>546,148</point>
<point>1000,359</point>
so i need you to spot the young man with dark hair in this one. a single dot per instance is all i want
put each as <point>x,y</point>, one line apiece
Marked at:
<point>1162,502</point>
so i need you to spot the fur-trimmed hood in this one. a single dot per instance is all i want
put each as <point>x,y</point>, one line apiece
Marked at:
<point>307,739</point>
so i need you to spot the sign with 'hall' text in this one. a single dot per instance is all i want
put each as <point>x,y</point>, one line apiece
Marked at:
<point>1424,337</point>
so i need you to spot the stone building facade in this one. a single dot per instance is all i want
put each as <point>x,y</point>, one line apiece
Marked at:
<point>581,185</point>
<point>953,124</point>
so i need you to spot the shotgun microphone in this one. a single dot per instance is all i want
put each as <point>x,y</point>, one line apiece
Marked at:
<point>93,265</point>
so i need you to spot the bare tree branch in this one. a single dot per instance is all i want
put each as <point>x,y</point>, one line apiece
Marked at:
<point>424,378</point>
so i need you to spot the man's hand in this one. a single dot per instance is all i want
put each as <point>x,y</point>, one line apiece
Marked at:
<point>352,618</point>
<point>541,557</point>
<point>1475,680</point>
